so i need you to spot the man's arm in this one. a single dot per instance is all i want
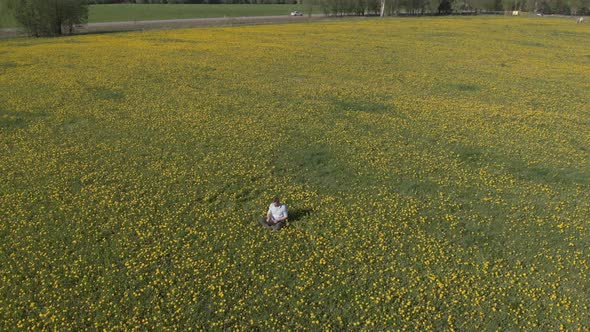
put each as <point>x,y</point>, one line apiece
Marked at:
<point>285,215</point>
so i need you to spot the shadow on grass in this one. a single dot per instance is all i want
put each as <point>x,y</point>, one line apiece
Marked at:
<point>16,119</point>
<point>295,215</point>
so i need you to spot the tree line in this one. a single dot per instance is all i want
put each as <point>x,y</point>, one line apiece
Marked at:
<point>447,7</point>
<point>401,7</point>
<point>57,17</point>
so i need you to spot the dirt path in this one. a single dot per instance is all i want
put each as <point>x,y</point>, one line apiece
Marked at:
<point>179,23</point>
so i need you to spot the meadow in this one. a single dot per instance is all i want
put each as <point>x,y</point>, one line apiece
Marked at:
<point>143,12</point>
<point>437,173</point>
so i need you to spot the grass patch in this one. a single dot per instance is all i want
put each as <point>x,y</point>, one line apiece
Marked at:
<point>472,154</point>
<point>547,174</point>
<point>360,105</point>
<point>532,43</point>
<point>107,94</point>
<point>7,65</point>
<point>138,12</point>
<point>7,20</point>
<point>463,87</point>
<point>17,120</point>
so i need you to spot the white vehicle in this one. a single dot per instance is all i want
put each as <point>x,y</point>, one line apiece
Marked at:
<point>296,13</point>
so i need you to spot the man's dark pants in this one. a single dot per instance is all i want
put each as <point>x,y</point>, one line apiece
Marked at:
<point>275,227</point>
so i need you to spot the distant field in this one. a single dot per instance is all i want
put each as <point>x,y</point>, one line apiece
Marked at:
<point>122,12</point>
<point>437,173</point>
<point>6,21</point>
<point>137,12</point>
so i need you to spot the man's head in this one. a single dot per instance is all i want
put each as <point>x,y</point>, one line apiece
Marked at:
<point>276,201</point>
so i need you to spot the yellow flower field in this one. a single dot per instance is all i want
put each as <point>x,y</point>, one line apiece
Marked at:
<point>437,173</point>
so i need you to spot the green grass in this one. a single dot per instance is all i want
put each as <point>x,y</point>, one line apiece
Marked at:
<point>7,20</point>
<point>129,12</point>
<point>142,12</point>
<point>436,182</point>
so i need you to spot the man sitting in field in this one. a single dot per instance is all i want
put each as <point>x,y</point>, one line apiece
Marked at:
<point>276,215</point>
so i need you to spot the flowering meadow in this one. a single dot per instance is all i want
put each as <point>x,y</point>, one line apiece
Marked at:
<point>437,173</point>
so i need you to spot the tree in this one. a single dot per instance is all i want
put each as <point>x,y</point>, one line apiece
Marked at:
<point>49,17</point>
<point>309,6</point>
<point>445,7</point>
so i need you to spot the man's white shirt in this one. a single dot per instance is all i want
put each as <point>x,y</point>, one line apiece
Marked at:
<point>277,211</point>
